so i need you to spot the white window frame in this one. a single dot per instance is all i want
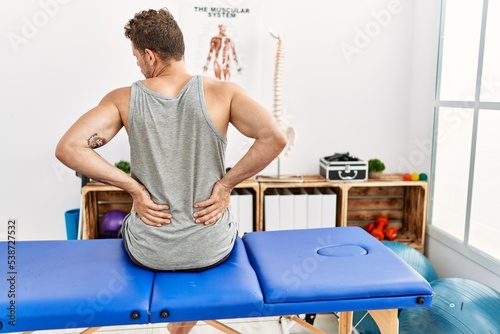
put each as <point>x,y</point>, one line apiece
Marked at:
<point>462,247</point>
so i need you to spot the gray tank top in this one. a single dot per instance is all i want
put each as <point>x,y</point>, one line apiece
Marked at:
<point>178,154</point>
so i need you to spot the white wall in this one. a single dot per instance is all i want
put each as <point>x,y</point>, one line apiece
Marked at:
<point>357,103</point>
<point>373,100</point>
<point>449,262</point>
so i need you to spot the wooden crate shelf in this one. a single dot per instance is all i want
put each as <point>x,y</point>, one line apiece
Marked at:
<point>404,203</point>
<point>309,182</point>
<point>358,203</point>
<point>99,198</point>
<point>253,187</point>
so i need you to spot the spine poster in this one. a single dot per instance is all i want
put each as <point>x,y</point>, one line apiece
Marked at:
<point>223,40</point>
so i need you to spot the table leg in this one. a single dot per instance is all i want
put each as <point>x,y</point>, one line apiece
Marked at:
<point>387,320</point>
<point>345,322</point>
<point>222,327</point>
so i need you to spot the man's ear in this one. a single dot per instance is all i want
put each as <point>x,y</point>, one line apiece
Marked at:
<point>150,56</point>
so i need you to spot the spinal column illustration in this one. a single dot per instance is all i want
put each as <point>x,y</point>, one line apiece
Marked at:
<point>278,110</point>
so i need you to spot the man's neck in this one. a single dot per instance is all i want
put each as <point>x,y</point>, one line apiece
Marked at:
<point>174,68</point>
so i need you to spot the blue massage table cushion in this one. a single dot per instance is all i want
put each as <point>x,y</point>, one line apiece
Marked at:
<point>341,264</point>
<point>230,290</point>
<point>74,284</point>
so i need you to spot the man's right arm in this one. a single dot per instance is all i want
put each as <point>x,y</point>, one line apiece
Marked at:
<point>93,130</point>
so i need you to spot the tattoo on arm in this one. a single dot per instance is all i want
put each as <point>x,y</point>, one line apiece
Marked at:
<point>95,141</point>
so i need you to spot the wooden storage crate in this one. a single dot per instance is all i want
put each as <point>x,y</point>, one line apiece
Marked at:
<point>253,188</point>
<point>309,182</point>
<point>97,199</point>
<point>404,203</point>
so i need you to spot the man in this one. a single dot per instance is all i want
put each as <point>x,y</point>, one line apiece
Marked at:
<point>222,48</point>
<point>177,125</point>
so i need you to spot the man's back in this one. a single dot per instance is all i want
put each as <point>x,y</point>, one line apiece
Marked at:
<point>178,154</point>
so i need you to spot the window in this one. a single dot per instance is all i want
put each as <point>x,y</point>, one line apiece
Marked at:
<point>466,152</point>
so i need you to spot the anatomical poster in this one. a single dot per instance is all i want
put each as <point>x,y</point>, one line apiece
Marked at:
<point>223,39</point>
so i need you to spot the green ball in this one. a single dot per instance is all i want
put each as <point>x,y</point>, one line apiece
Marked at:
<point>422,177</point>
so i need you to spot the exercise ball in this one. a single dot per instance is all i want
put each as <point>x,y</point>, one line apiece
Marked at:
<point>412,257</point>
<point>111,223</point>
<point>459,305</point>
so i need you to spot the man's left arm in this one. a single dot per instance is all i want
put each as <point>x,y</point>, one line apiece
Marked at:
<point>253,121</point>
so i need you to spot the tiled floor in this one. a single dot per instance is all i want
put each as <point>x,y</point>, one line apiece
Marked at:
<point>271,325</point>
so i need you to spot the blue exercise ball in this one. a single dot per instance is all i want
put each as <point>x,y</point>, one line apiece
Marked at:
<point>412,257</point>
<point>459,305</point>
<point>111,223</point>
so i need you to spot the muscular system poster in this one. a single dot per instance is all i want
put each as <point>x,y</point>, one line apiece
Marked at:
<point>223,40</point>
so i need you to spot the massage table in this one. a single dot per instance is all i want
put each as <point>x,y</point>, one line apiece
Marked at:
<point>92,283</point>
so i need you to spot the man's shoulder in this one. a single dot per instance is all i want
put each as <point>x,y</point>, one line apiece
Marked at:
<point>119,97</point>
<point>119,94</point>
<point>219,85</point>
<point>121,91</point>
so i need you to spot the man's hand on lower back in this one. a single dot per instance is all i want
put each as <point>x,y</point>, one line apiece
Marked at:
<point>149,212</point>
<point>212,209</point>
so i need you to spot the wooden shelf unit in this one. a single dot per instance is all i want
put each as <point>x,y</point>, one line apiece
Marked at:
<point>403,202</point>
<point>358,203</point>
<point>310,181</point>
<point>98,198</point>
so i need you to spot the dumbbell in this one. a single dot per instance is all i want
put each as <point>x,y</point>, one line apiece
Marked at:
<point>377,228</point>
<point>379,231</point>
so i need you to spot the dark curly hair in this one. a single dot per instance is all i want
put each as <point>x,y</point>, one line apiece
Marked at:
<point>157,31</point>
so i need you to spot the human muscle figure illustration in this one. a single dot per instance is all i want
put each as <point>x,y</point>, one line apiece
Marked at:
<point>221,50</point>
